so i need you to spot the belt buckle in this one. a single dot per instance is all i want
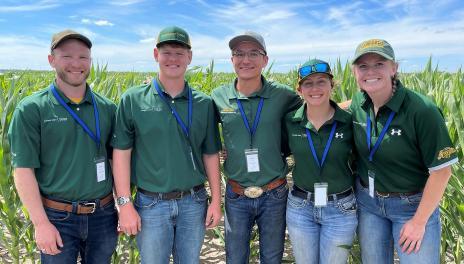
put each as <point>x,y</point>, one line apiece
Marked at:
<point>383,195</point>
<point>93,204</point>
<point>253,191</point>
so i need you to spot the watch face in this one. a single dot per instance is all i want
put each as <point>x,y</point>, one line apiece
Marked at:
<point>122,200</point>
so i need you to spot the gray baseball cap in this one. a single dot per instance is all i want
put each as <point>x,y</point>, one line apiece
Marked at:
<point>248,36</point>
<point>59,37</point>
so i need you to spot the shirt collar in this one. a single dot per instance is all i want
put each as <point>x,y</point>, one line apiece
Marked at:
<point>340,115</point>
<point>393,104</point>
<point>264,92</point>
<point>87,96</point>
<point>184,92</point>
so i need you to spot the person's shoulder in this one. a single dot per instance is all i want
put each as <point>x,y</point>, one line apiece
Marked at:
<point>200,96</point>
<point>103,100</point>
<point>279,86</point>
<point>36,99</point>
<point>137,90</point>
<point>221,90</point>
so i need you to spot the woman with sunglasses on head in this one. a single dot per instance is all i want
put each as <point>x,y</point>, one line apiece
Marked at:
<point>404,161</point>
<point>321,207</point>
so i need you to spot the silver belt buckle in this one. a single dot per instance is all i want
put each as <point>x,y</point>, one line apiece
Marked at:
<point>253,191</point>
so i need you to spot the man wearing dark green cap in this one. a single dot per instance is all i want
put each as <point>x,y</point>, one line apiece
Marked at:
<point>251,110</point>
<point>166,143</point>
<point>59,141</point>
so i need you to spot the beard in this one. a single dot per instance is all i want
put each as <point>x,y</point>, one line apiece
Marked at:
<point>66,78</point>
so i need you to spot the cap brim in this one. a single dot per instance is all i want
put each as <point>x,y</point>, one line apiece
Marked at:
<point>372,51</point>
<point>73,36</point>
<point>175,41</point>
<point>306,77</point>
<point>241,38</point>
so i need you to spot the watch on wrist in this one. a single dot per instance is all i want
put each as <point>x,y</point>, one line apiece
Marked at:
<point>122,200</point>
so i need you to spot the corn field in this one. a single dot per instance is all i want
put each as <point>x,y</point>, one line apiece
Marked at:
<point>445,89</point>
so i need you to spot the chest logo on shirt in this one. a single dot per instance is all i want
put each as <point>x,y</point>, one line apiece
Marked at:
<point>338,135</point>
<point>395,132</point>
<point>446,153</point>
<point>227,111</point>
<point>55,119</point>
<point>152,109</point>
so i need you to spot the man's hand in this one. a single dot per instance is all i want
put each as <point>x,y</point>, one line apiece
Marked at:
<point>129,220</point>
<point>213,215</point>
<point>48,238</point>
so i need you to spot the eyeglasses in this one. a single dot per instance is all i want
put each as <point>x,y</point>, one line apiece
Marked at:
<point>318,67</point>
<point>252,55</point>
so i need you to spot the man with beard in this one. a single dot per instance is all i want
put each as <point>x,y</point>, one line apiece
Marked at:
<point>59,138</point>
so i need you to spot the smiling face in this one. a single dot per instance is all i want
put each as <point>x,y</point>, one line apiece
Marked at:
<point>71,61</point>
<point>374,73</point>
<point>248,68</point>
<point>173,60</point>
<point>316,89</point>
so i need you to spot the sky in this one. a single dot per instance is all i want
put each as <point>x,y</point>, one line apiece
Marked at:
<point>123,32</point>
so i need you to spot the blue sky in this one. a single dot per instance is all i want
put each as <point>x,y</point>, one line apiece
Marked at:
<point>124,31</point>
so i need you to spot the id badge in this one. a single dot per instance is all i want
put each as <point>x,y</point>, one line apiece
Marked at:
<point>320,194</point>
<point>252,160</point>
<point>192,158</point>
<point>371,175</point>
<point>100,166</point>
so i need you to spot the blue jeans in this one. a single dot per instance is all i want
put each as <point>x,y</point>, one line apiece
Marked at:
<point>380,223</point>
<point>321,234</point>
<point>268,212</point>
<point>93,236</point>
<point>174,227</point>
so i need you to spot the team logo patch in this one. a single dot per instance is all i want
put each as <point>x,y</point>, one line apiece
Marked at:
<point>395,132</point>
<point>373,43</point>
<point>338,135</point>
<point>227,110</point>
<point>446,153</point>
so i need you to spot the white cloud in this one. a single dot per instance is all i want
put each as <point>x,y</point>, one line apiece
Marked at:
<point>101,22</point>
<point>125,2</point>
<point>27,7</point>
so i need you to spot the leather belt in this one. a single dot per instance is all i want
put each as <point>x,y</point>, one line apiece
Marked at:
<point>389,194</point>
<point>171,195</point>
<point>84,207</point>
<point>298,192</point>
<point>255,191</point>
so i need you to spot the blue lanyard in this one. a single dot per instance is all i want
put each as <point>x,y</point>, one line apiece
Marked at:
<point>327,146</point>
<point>255,121</point>
<point>382,134</point>
<point>185,128</point>
<point>95,137</point>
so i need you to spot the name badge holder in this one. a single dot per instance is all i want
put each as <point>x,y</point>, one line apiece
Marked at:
<point>320,188</point>
<point>371,152</point>
<point>251,154</point>
<point>320,194</point>
<point>100,165</point>
<point>252,160</point>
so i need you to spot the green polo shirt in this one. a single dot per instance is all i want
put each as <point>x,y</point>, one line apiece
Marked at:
<point>416,142</point>
<point>161,159</point>
<point>45,137</point>
<point>335,170</point>
<point>278,101</point>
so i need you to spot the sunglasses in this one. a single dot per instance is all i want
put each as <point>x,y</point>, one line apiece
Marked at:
<point>309,69</point>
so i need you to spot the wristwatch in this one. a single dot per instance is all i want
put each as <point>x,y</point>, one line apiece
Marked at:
<point>122,200</point>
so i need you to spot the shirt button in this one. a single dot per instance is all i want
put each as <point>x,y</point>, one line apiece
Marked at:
<point>172,101</point>
<point>77,109</point>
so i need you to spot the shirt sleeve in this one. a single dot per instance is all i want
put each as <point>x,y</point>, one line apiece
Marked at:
<point>212,142</point>
<point>24,136</point>
<point>123,135</point>
<point>294,101</point>
<point>435,145</point>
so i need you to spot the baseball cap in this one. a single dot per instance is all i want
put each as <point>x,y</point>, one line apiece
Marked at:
<point>377,46</point>
<point>59,37</point>
<point>248,36</point>
<point>311,67</point>
<point>173,34</point>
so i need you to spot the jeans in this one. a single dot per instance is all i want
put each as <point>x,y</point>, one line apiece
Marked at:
<point>268,212</point>
<point>321,234</point>
<point>174,227</point>
<point>94,236</point>
<point>380,223</point>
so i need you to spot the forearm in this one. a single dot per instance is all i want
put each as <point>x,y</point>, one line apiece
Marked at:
<point>28,191</point>
<point>211,162</point>
<point>121,171</point>
<point>433,192</point>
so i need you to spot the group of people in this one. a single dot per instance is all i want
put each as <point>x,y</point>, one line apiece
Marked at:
<point>379,167</point>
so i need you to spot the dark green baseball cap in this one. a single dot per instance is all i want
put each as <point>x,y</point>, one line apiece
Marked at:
<point>59,37</point>
<point>377,46</point>
<point>173,34</point>
<point>311,67</point>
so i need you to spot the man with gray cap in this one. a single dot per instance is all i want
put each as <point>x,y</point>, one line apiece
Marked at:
<point>166,143</point>
<point>59,141</point>
<point>251,110</point>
